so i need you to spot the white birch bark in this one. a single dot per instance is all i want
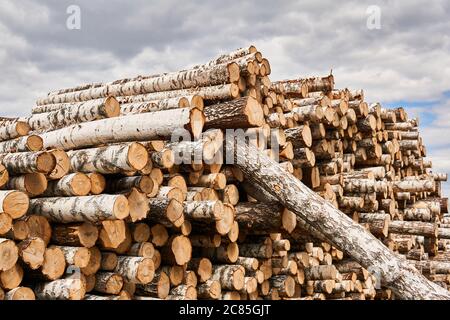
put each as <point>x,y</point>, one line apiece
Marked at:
<point>140,127</point>
<point>108,160</point>
<point>80,209</point>
<point>73,114</point>
<point>337,228</point>
<point>223,73</point>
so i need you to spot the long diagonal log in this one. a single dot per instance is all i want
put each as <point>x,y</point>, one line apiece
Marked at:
<point>339,229</point>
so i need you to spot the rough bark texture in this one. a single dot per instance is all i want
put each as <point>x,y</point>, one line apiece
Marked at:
<point>140,127</point>
<point>80,209</point>
<point>223,73</point>
<point>240,113</point>
<point>340,230</point>
<point>72,114</point>
<point>109,160</point>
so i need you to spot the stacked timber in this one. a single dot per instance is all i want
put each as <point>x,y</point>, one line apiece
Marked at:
<point>121,190</point>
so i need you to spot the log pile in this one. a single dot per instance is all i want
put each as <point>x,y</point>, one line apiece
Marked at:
<point>122,190</point>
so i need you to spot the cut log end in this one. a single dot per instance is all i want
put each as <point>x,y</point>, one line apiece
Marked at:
<point>45,162</point>
<point>16,204</point>
<point>80,184</point>
<point>35,143</point>
<point>137,156</point>
<point>98,183</point>
<point>54,263</point>
<point>121,208</point>
<point>112,107</point>
<point>181,249</point>
<point>196,122</point>
<point>9,254</point>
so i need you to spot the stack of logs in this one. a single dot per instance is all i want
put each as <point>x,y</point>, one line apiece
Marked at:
<point>96,203</point>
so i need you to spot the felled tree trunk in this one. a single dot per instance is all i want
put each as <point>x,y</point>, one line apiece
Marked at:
<point>31,251</point>
<point>75,184</point>
<point>84,234</point>
<point>244,112</point>
<point>72,114</point>
<point>218,74</point>
<point>139,127</point>
<point>337,228</point>
<point>110,159</point>
<point>80,209</point>
<point>61,289</point>
<point>153,106</point>
<point>9,253</point>
<point>13,129</point>
<point>22,144</point>
<point>231,277</point>
<point>211,94</point>
<point>28,162</point>
<point>14,203</point>
<point>135,269</point>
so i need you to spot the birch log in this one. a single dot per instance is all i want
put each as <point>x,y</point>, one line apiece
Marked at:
<point>240,113</point>
<point>210,93</point>
<point>9,254</point>
<point>33,184</point>
<point>13,129</point>
<point>75,184</point>
<point>28,162</point>
<point>156,105</point>
<point>61,289</point>
<point>339,229</point>
<point>73,114</point>
<point>140,127</point>
<point>105,108</point>
<point>80,209</point>
<point>135,269</point>
<point>218,74</point>
<point>14,203</point>
<point>110,159</point>
<point>22,144</point>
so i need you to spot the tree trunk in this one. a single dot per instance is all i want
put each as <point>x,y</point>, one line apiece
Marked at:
<point>84,234</point>
<point>231,277</point>
<point>75,184</point>
<point>140,127</point>
<point>210,94</point>
<point>22,144</point>
<point>158,288</point>
<point>80,209</point>
<point>240,113</point>
<point>9,253</point>
<point>136,269</point>
<point>14,203</point>
<point>110,159</point>
<point>63,115</point>
<point>178,250</point>
<point>223,73</point>
<point>339,229</point>
<point>13,129</point>
<point>108,282</point>
<point>29,162</point>
<point>153,106</point>
<point>77,256</point>
<point>62,289</point>
<point>31,251</point>
<point>211,289</point>
<point>168,212</point>
<point>20,293</point>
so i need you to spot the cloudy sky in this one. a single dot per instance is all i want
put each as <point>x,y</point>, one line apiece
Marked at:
<point>405,62</point>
